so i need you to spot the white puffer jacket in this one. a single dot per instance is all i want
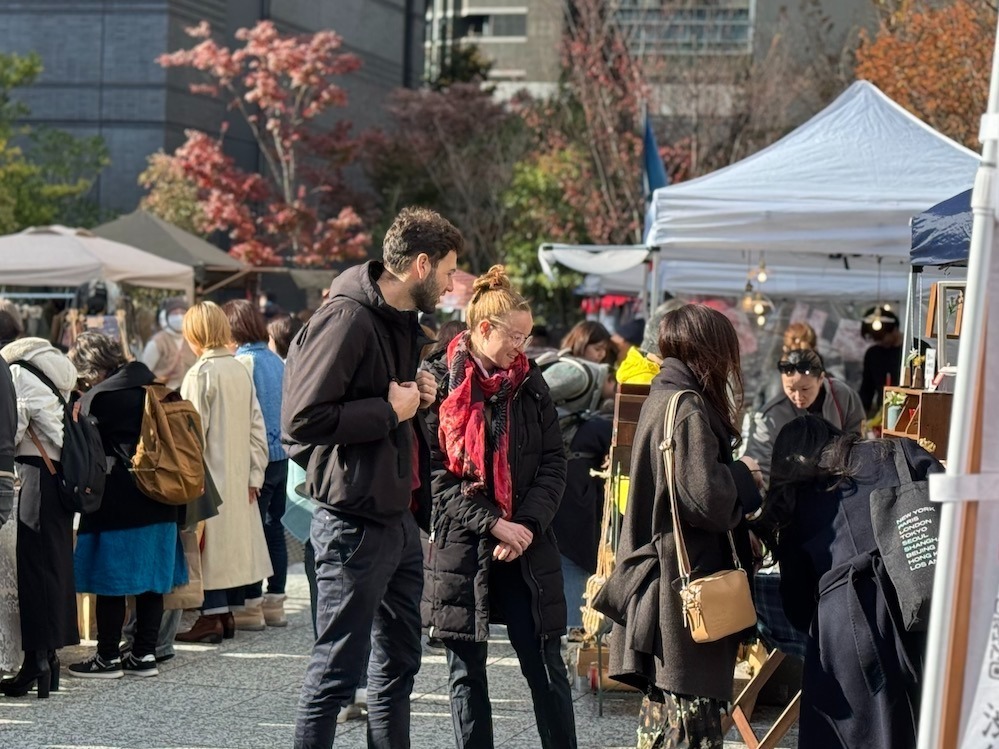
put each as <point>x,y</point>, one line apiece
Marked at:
<point>36,403</point>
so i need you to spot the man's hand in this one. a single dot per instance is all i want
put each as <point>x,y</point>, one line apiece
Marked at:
<point>404,399</point>
<point>254,494</point>
<point>514,535</point>
<point>427,386</point>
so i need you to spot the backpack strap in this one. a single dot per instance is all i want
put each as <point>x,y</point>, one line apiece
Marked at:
<point>39,374</point>
<point>44,378</point>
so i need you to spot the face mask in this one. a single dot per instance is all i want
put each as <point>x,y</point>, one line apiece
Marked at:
<point>175,322</point>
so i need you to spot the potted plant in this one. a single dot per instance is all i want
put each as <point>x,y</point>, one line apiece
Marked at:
<point>893,400</point>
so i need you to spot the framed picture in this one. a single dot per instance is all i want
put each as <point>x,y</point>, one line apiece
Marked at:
<point>946,310</point>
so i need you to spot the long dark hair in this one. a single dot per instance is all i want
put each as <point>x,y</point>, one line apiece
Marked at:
<point>704,340</point>
<point>810,456</point>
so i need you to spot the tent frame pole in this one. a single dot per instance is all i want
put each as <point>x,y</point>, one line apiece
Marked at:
<point>655,290</point>
<point>943,699</point>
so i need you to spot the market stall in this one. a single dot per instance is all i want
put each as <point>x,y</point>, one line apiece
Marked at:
<point>90,267</point>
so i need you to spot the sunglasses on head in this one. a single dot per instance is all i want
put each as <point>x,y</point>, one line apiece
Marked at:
<point>801,367</point>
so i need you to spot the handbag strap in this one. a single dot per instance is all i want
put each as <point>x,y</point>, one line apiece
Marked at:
<point>41,450</point>
<point>668,448</point>
<point>901,463</point>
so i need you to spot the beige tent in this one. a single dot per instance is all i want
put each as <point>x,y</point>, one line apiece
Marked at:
<point>62,256</point>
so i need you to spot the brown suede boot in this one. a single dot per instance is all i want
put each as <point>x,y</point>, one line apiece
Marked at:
<point>208,628</point>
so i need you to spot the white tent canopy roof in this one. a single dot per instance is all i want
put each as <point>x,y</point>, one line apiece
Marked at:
<point>845,182</point>
<point>61,256</point>
<point>825,206</point>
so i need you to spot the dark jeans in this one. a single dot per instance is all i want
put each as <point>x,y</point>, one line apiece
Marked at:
<point>111,617</point>
<point>370,579</point>
<point>271,503</point>
<point>540,662</point>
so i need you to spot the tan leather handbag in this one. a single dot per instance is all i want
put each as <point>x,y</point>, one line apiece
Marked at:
<point>719,604</point>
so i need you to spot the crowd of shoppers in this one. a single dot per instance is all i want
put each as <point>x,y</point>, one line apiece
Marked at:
<point>445,484</point>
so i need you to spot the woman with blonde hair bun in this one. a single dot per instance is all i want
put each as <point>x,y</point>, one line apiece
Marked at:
<point>233,552</point>
<point>498,476</point>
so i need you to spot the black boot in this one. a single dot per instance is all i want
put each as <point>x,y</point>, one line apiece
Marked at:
<point>34,668</point>
<point>54,667</point>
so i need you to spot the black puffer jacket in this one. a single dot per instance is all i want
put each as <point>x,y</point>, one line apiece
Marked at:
<point>455,591</point>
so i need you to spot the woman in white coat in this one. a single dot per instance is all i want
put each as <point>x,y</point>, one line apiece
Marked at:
<point>234,552</point>
<point>41,375</point>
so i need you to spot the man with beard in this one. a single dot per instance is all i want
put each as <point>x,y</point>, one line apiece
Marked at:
<point>351,417</point>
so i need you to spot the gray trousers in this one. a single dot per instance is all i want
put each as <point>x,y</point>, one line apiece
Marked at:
<point>370,579</point>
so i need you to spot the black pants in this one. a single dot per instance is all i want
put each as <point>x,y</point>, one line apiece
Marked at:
<point>540,662</point>
<point>370,579</point>
<point>111,616</point>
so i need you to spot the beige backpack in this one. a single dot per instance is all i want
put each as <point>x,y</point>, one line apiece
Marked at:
<point>169,462</point>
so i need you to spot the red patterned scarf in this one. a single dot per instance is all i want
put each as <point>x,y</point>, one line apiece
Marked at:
<point>463,423</point>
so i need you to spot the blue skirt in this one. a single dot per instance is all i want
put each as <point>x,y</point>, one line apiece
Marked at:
<point>130,561</point>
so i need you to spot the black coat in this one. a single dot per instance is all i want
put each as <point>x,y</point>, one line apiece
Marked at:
<point>118,404</point>
<point>654,648</point>
<point>861,681</point>
<point>335,414</point>
<point>456,589</point>
<point>577,522</point>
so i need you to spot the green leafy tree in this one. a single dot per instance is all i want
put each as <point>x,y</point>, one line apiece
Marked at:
<point>173,196</point>
<point>539,213</point>
<point>45,174</point>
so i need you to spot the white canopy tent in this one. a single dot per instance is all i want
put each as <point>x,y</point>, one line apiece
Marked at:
<point>824,206</point>
<point>61,256</point>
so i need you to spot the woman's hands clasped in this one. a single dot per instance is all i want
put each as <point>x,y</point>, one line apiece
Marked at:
<point>513,538</point>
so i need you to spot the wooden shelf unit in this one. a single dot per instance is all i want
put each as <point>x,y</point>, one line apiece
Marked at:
<point>925,415</point>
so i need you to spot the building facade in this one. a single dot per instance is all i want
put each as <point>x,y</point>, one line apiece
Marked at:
<point>522,38</point>
<point>101,76</point>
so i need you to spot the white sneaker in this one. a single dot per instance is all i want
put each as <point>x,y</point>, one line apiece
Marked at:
<point>361,697</point>
<point>349,712</point>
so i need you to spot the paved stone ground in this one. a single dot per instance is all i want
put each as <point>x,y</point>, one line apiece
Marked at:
<point>242,695</point>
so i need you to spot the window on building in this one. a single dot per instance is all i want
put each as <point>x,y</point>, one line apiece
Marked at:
<point>505,25</point>
<point>657,29</point>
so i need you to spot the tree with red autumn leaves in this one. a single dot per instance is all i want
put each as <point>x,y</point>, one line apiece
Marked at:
<point>935,62</point>
<point>281,85</point>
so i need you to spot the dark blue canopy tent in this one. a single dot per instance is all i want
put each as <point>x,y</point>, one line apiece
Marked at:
<point>941,236</point>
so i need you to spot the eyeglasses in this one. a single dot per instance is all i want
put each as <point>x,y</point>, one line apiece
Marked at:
<point>519,340</point>
<point>801,367</point>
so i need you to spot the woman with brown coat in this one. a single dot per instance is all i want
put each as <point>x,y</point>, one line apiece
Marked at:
<point>688,683</point>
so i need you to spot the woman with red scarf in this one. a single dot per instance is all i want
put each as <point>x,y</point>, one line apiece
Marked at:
<point>498,477</point>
